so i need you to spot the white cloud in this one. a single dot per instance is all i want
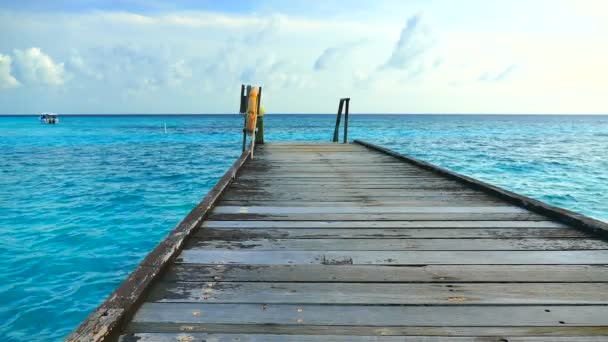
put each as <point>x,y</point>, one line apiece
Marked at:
<point>333,55</point>
<point>34,66</point>
<point>416,39</point>
<point>6,79</point>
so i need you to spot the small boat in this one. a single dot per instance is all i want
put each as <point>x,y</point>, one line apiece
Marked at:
<point>49,118</point>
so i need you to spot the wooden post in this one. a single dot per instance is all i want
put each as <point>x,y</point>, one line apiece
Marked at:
<point>346,121</point>
<point>244,110</point>
<point>259,134</point>
<point>243,106</point>
<point>244,139</point>
<point>337,129</point>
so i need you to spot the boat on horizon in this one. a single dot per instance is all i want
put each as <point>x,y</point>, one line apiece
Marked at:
<point>49,118</point>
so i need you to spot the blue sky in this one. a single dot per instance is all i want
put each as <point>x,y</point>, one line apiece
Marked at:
<point>435,56</point>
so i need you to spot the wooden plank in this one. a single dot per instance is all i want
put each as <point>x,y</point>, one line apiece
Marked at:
<point>348,192</point>
<point>358,186</point>
<point>394,257</point>
<point>340,171</point>
<point>370,169</point>
<point>381,217</point>
<point>336,166</point>
<point>332,175</point>
<point>172,337</point>
<point>361,191</point>
<point>344,182</point>
<point>329,157</point>
<point>499,334</point>
<point>340,244</point>
<point>362,198</point>
<point>260,224</point>
<point>441,315</point>
<point>382,293</point>
<point>401,233</point>
<point>274,186</point>
<point>364,177</point>
<point>377,274</point>
<point>404,203</point>
<point>225,209</point>
<point>281,164</point>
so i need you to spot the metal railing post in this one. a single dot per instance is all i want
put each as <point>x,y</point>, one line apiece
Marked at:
<point>337,129</point>
<point>346,121</point>
<point>344,104</point>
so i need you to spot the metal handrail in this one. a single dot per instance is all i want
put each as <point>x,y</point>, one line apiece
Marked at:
<point>344,104</point>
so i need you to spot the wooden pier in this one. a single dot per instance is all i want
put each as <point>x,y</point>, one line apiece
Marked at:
<point>352,242</point>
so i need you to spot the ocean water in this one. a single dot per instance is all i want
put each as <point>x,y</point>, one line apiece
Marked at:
<point>82,202</point>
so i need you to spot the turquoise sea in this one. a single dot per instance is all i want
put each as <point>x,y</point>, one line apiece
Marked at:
<point>82,202</point>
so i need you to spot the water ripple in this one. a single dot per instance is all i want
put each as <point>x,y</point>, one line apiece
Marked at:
<point>84,201</point>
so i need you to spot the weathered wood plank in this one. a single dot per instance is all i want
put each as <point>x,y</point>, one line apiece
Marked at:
<point>260,224</point>
<point>382,293</point>
<point>342,181</point>
<point>401,233</point>
<point>321,165</point>
<point>380,217</point>
<point>172,337</point>
<point>378,274</point>
<point>225,209</point>
<point>267,170</point>
<point>500,333</point>
<point>330,176</point>
<point>381,257</point>
<point>350,192</point>
<point>286,164</point>
<point>314,203</point>
<point>254,186</point>
<point>340,175</point>
<point>362,198</point>
<point>441,315</point>
<point>469,244</point>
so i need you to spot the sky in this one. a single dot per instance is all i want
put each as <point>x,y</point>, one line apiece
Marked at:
<point>388,56</point>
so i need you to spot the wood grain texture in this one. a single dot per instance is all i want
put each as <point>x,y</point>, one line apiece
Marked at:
<point>270,234</point>
<point>382,293</point>
<point>389,274</point>
<point>260,224</point>
<point>375,315</point>
<point>403,244</point>
<point>391,257</point>
<point>472,333</point>
<point>201,337</point>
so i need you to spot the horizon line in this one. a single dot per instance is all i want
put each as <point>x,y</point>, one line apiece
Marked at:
<point>199,114</point>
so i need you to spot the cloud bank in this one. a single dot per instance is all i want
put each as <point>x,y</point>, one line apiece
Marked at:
<point>193,61</point>
<point>415,39</point>
<point>35,67</point>
<point>6,79</point>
